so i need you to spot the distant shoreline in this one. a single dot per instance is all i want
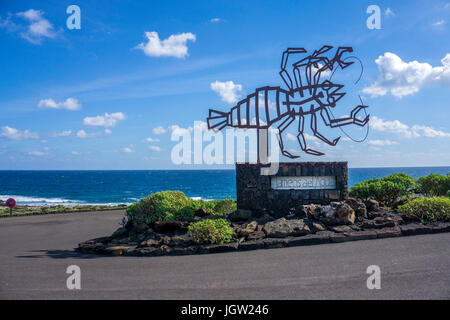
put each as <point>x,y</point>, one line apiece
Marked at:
<point>188,169</point>
<point>110,188</point>
<point>25,210</point>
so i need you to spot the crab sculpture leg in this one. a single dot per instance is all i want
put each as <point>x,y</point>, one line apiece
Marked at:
<point>284,73</point>
<point>317,134</point>
<point>301,138</point>
<point>283,126</point>
<point>352,119</point>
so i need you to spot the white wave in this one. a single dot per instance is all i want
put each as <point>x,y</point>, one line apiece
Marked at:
<point>200,198</point>
<point>39,201</point>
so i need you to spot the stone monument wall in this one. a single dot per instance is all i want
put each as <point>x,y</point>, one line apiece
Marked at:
<point>295,184</point>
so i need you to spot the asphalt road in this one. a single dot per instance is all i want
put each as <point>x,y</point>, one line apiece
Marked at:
<point>35,252</point>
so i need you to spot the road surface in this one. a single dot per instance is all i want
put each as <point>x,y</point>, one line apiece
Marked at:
<point>35,252</point>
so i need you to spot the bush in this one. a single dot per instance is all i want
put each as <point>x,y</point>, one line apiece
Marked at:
<point>427,209</point>
<point>434,185</point>
<point>184,214</point>
<point>160,206</point>
<point>213,231</point>
<point>174,205</point>
<point>214,207</point>
<point>386,190</point>
<point>224,207</point>
<point>196,205</point>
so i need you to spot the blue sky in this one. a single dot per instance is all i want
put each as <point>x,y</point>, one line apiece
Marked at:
<point>109,95</point>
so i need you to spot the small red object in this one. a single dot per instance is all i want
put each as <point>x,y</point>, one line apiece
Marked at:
<point>11,203</point>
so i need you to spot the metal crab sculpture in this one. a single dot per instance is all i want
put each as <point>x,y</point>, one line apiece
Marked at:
<point>307,94</point>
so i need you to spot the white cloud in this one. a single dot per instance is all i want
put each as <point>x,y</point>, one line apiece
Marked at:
<point>159,130</point>
<point>308,138</point>
<point>227,90</point>
<point>14,134</point>
<point>38,28</point>
<point>439,23</point>
<point>69,104</point>
<point>8,24</point>
<point>84,135</point>
<point>129,149</point>
<point>215,20</point>
<point>324,74</point>
<point>107,131</point>
<point>107,120</point>
<point>405,78</point>
<point>65,133</point>
<point>75,153</point>
<point>415,131</point>
<point>428,132</point>
<point>179,131</point>
<point>395,126</point>
<point>149,139</point>
<point>173,46</point>
<point>380,143</point>
<point>291,137</point>
<point>155,148</point>
<point>36,153</point>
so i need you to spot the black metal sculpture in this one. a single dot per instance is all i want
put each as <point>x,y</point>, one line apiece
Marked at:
<point>308,94</point>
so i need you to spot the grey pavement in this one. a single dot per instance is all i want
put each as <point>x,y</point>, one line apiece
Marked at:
<point>35,252</point>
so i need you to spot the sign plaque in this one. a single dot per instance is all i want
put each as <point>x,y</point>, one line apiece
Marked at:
<point>303,183</point>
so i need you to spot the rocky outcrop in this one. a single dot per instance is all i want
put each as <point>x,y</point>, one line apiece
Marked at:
<point>170,226</point>
<point>333,214</point>
<point>240,215</point>
<point>245,229</point>
<point>342,221</point>
<point>282,228</point>
<point>372,205</point>
<point>358,206</point>
<point>345,214</point>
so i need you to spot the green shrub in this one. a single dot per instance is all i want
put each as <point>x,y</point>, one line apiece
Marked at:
<point>160,206</point>
<point>427,209</point>
<point>213,231</point>
<point>184,214</point>
<point>386,190</point>
<point>434,185</point>
<point>224,207</point>
<point>214,207</point>
<point>174,205</point>
<point>208,206</point>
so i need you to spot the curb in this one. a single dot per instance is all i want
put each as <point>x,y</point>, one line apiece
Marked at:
<point>96,246</point>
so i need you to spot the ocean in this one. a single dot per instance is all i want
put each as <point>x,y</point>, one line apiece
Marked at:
<point>44,188</point>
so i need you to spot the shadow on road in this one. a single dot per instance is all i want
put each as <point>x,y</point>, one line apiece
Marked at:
<point>60,254</point>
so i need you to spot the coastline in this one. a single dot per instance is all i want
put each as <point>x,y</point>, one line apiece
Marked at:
<point>49,188</point>
<point>24,210</point>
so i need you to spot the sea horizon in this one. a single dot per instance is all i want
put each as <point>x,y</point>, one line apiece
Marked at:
<point>211,169</point>
<point>112,187</point>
